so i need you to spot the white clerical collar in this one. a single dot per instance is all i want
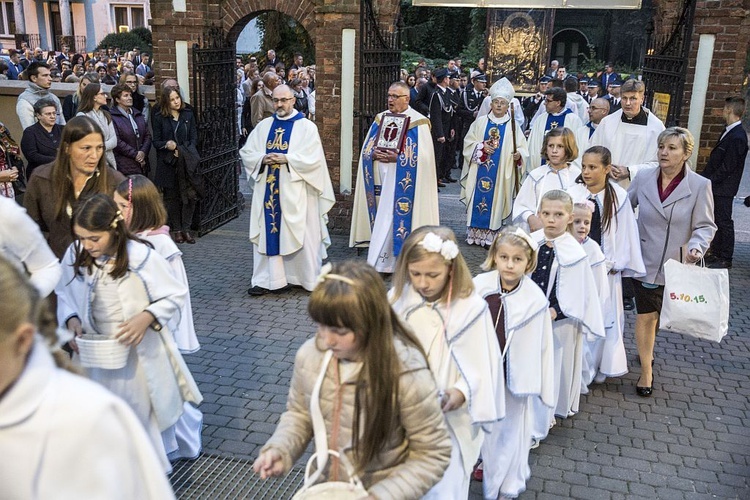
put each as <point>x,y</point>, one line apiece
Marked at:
<point>560,113</point>
<point>291,115</point>
<point>500,120</point>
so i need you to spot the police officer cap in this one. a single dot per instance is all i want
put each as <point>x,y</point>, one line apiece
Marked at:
<point>584,80</point>
<point>593,82</point>
<point>478,76</point>
<point>441,73</point>
<point>616,83</point>
<point>545,79</point>
<point>454,75</point>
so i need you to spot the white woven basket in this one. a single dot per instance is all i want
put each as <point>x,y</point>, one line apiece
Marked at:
<point>99,351</point>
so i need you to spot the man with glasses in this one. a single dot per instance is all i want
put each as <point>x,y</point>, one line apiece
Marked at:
<point>40,81</point>
<point>293,193</point>
<point>598,109</point>
<point>556,115</point>
<point>395,191</point>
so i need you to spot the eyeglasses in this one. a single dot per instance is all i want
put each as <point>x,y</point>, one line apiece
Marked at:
<point>549,100</point>
<point>396,96</point>
<point>283,99</point>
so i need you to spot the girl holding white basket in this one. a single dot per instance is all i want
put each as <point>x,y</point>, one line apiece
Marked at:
<point>115,286</point>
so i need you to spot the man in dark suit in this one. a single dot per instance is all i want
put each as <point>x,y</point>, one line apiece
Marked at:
<point>421,102</point>
<point>724,169</point>
<point>441,114</point>
<point>613,96</point>
<point>14,66</point>
<point>609,75</point>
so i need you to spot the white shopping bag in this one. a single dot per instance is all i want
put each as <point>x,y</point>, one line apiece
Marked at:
<point>696,301</point>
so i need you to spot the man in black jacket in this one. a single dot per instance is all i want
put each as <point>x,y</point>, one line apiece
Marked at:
<point>724,169</point>
<point>441,114</point>
<point>468,106</point>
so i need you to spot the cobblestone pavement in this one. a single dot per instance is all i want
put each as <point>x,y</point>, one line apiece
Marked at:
<point>689,441</point>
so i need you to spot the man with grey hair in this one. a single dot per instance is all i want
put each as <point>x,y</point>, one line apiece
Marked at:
<point>284,157</point>
<point>395,191</point>
<point>261,103</point>
<point>598,110</point>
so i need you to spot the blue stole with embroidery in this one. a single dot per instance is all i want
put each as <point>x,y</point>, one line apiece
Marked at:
<point>554,121</point>
<point>591,129</point>
<point>406,179</point>
<point>484,189</point>
<point>277,142</point>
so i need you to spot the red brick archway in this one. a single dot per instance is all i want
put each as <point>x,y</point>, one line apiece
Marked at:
<point>237,13</point>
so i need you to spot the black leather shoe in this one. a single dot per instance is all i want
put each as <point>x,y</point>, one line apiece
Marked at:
<point>283,289</point>
<point>440,184</point>
<point>257,291</point>
<point>628,304</point>
<point>450,180</point>
<point>645,392</point>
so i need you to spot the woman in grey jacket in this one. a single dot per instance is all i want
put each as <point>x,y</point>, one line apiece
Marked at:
<point>675,221</point>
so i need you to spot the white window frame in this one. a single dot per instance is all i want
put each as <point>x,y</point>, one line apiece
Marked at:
<point>129,7</point>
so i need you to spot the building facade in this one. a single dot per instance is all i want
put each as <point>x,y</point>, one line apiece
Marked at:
<point>91,20</point>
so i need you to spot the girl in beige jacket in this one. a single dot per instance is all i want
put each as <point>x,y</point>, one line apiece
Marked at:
<point>378,399</point>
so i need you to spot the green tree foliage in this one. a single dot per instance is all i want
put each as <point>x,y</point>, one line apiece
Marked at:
<point>286,36</point>
<point>125,41</point>
<point>144,34</point>
<point>442,33</point>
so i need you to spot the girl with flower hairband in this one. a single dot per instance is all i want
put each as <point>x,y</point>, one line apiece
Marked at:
<point>433,292</point>
<point>115,285</point>
<point>141,204</point>
<point>377,396</point>
<point>523,328</point>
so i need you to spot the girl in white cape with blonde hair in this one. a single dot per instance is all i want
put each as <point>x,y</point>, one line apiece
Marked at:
<point>433,292</point>
<point>523,328</point>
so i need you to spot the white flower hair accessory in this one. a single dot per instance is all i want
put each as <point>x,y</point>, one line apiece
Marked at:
<point>325,273</point>
<point>525,236</point>
<point>434,243</point>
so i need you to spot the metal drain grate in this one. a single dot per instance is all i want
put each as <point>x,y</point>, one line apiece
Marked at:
<point>217,477</point>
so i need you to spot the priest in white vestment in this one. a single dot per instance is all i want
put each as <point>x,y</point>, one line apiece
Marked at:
<point>395,193</point>
<point>630,134</point>
<point>293,193</point>
<point>556,115</point>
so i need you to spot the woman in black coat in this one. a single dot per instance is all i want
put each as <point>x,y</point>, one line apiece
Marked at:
<point>133,137</point>
<point>175,139</point>
<point>40,142</point>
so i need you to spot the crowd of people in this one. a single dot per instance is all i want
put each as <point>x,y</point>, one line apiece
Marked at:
<point>69,66</point>
<point>417,390</point>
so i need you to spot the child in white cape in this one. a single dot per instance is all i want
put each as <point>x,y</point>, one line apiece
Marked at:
<point>433,292</point>
<point>523,327</point>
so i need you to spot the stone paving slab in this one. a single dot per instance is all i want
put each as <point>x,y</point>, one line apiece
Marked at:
<point>689,441</point>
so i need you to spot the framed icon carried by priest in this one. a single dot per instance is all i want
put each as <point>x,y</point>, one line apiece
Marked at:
<point>392,133</point>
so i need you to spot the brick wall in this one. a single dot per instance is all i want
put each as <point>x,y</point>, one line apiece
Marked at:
<point>729,20</point>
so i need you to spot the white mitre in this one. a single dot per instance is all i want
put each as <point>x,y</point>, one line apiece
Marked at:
<point>502,88</point>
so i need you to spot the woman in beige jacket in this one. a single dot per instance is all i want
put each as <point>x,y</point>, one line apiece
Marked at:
<point>392,429</point>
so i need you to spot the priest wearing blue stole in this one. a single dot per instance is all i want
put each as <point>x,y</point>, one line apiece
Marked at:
<point>293,194</point>
<point>395,192</point>
<point>492,167</point>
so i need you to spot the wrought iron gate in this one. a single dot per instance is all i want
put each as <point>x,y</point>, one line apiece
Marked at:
<point>665,65</point>
<point>214,102</point>
<point>379,65</point>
